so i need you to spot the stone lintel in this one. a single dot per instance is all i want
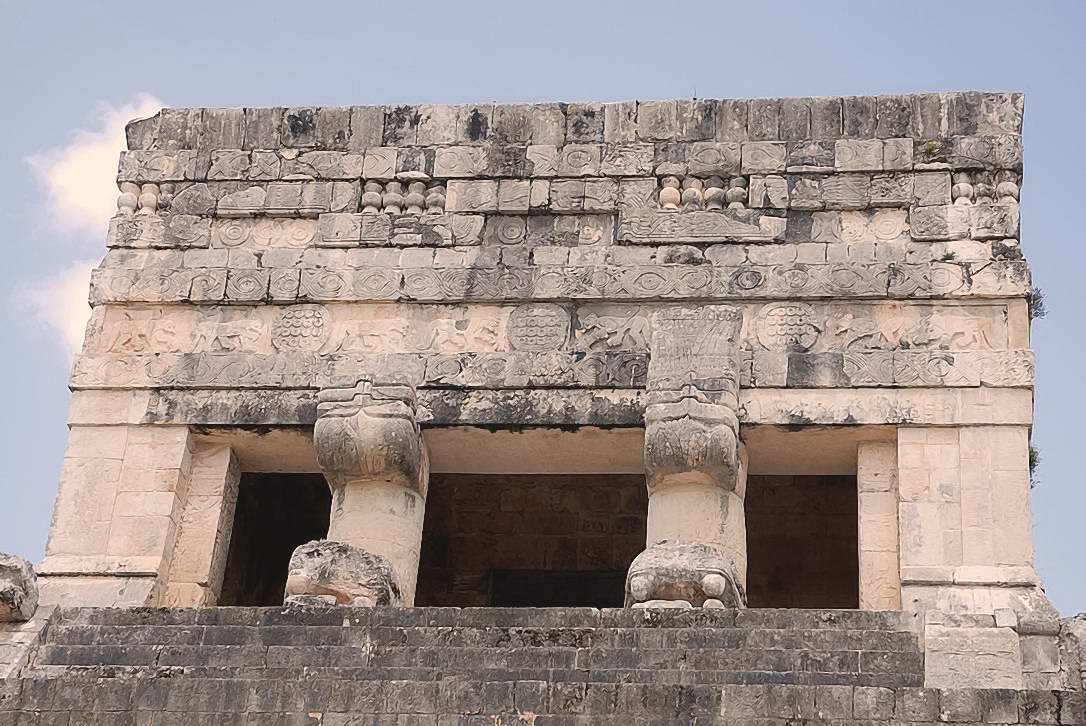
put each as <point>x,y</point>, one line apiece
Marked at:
<point>562,407</point>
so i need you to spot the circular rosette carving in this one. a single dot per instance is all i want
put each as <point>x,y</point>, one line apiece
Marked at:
<point>511,230</point>
<point>747,279</point>
<point>422,284</point>
<point>538,326</point>
<point>232,232</point>
<point>300,328</point>
<point>787,326</point>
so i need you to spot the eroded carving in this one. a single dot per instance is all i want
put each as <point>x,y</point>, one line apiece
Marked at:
<point>539,327</point>
<point>325,572</point>
<point>696,573</point>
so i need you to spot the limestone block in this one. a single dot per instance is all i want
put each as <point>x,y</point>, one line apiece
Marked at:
<point>731,120</point>
<point>876,467</point>
<point>858,155</point>
<point>763,119</point>
<point>846,191</point>
<point>763,157</point>
<point>860,114</point>
<point>367,127</point>
<point>97,590</point>
<point>579,160</point>
<point>768,192</point>
<point>348,574</point>
<point>620,122</point>
<point>157,166</point>
<point>626,159</point>
<point>472,196</point>
<point>18,589</point>
<point>1072,647</point>
<point>460,161</point>
<point>897,154</point>
<point>970,657</point>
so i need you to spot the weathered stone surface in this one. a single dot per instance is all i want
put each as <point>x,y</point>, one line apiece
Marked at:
<point>700,575</point>
<point>18,589</point>
<point>346,574</point>
<point>680,268</point>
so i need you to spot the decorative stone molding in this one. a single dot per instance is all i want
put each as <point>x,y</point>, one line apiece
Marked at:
<point>554,282</point>
<point>369,433</point>
<point>713,193</point>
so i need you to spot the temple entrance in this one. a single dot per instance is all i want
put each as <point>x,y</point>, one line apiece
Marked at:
<point>802,542</point>
<point>530,540</point>
<point>275,513</point>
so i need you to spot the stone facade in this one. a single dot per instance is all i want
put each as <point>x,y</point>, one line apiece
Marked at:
<point>705,293</point>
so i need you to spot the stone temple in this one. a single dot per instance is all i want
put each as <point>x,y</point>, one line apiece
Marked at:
<point>669,412</point>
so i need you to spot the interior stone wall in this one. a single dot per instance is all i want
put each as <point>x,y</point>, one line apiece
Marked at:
<point>801,540</point>
<point>478,523</point>
<point>275,513</point>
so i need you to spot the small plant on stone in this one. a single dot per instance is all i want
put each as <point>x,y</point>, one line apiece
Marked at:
<point>949,257</point>
<point>1036,300</point>
<point>1034,462</point>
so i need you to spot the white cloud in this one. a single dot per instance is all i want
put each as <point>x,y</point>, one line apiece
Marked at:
<point>79,176</point>
<point>79,179</point>
<point>59,302</point>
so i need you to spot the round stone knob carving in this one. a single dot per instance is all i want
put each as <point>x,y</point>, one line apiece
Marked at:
<point>787,326</point>
<point>300,328</point>
<point>539,327</point>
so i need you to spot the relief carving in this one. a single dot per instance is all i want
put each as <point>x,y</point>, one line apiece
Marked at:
<point>144,336</point>
<point>787,326</point>
<point>938,328</point>
<point>300,328</point>
<point>539,326</point>
<point>212,334</point>
<point>369,432</point>
<point>599,332</point>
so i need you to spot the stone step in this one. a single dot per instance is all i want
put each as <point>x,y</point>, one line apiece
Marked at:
<point>471,702</point>
<point>694,638</point>
<point>501,645</point>
<point>565,618</point>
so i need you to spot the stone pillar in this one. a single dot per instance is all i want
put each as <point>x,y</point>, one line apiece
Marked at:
<point>964,520</point>
<point>371,451</point>
<point>203,538</point>
<point>122,491</point>
<point>694,464</point>
<point>876,480</point>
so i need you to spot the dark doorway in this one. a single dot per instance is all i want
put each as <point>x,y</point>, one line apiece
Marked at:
<point>275,513</point>
<point>802,542</point>
<point>527,540</point>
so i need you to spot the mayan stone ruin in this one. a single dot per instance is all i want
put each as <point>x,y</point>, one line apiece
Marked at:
<point>658,412</point>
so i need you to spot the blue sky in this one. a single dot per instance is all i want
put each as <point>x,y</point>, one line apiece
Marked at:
<point>73,69</point>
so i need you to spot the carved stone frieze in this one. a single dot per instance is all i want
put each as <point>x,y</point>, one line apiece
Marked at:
<point>537,370</point>
<point>598,282</point>
<point>366,328</point>
<point>555,369</point>
<point>670,227</point>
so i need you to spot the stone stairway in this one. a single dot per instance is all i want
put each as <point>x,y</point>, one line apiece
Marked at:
<point>437,666</point>
<point>672,647</point>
